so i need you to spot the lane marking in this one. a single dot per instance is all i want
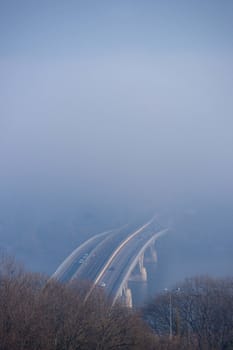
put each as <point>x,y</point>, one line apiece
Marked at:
<point>155,236</point>
<point>114,254</point>
<point>69,260</point>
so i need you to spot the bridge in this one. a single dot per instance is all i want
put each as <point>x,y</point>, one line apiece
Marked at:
<point>111,259</point>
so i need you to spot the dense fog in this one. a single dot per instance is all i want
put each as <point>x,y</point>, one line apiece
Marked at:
<point>110,113</point>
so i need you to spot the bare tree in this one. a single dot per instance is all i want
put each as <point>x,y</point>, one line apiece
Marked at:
<point>202,313</point>
<point>35,314</point>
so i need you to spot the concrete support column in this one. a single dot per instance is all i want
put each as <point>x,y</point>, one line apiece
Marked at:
<point>153,254</point>
<point>142,269</point>
<point>127,296</point>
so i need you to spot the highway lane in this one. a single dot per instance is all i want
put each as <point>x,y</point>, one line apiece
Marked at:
<point>136,233</point>
<point>122,260</point>
<point>95,262</point>
<point>75,260</point>
<point>106,258</point>
<point>125,261</point>
<point>107,253</point>
<point>85,253</point>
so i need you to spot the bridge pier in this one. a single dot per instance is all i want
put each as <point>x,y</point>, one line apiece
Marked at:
<point>126,296</point>
<point>139,274</point>
<point>142,269</point>
<point>116,263</point>
<point>151,256</point>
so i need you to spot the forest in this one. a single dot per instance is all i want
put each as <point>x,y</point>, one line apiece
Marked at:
<point>36,314</point>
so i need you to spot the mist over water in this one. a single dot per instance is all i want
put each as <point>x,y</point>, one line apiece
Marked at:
<point>112,113</point>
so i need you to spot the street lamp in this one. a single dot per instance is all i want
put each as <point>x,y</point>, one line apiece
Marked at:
<point>170,310</point>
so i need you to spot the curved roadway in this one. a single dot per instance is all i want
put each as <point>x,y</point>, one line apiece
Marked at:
<point>107,259</point>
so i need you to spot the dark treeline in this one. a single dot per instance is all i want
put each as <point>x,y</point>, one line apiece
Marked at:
<point>37,315</point>
<point>196,315</point>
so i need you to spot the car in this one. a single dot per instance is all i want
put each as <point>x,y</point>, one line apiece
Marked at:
<point>102,284</point>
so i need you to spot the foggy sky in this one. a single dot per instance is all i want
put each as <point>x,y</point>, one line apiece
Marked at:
<point>120,103</point>
<point>116,100</point>
<point>110,111</point>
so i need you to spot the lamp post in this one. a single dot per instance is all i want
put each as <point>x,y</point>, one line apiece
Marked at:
<point>170,311</point>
